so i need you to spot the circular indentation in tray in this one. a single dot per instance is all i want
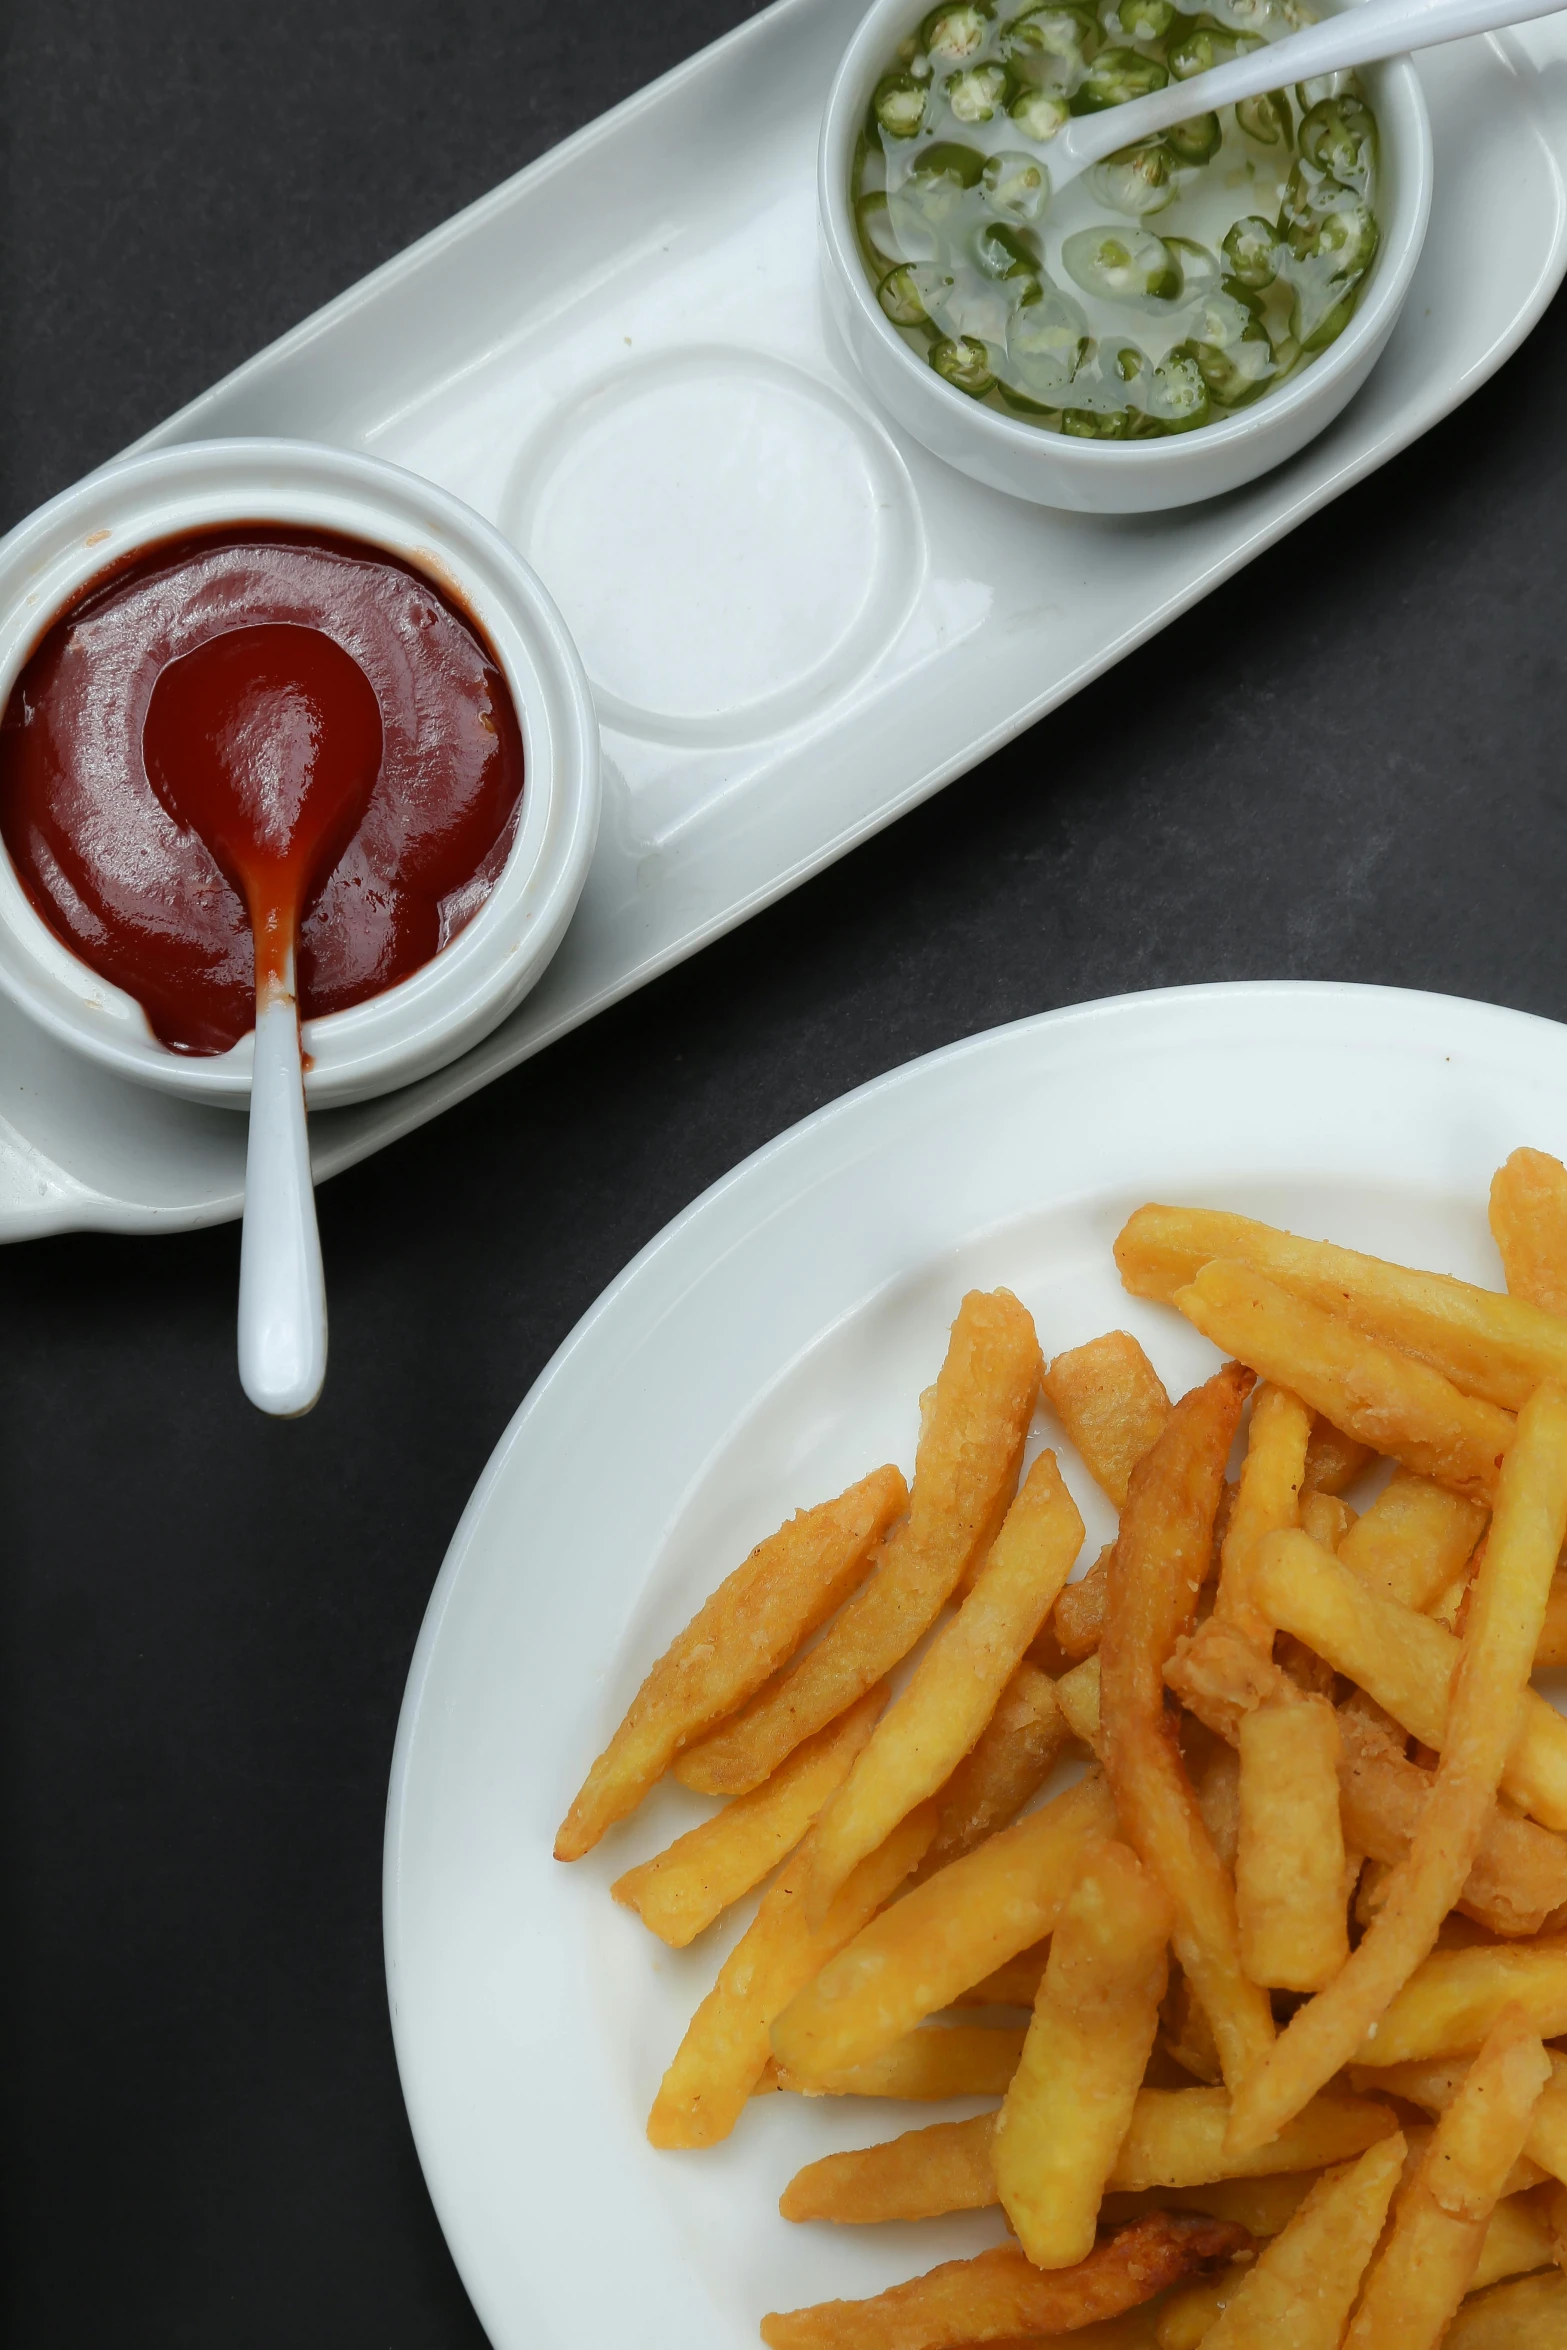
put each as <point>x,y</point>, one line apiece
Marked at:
<point>731,542</point>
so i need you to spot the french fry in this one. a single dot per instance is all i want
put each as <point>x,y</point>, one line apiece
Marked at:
<point>1220,1676</point>
<point>1261,2206</point>
<point>1434,2085</point>
<point>1530,2315</point>
<point>1070,2102</point>
<point>1439,2224</point>
<point>1014,1985</point>
<point>956,1685</point>
<point>1179,2138</point>
<point>1010,1761</point>
<point>1188,2316</point>
<point>753,1623</point>
<point>965,1474</point>
<point>918,2176</point>
<point>942,2061</point>
<point>1529,1225</point>
<point>682,1889</point>
<point>1174,2145</point>
<point>1518,2240</point>
<point>1334,1460</point>
<point>942,1937</point>
<point>1414,1540</point>
<point>1519,1875</point>
<point>1327,1518</point>
<point>1404,1661</point>
<point>1267,1500</point>
<point>1506,1611</point>
<point>1304,2282</point>
<point>1077,1621</point>
<point>1390,1400</point>
<point>1077,1694</point>
<point>1001,2295</point>
<point>1289,1862</point>
<point>1552,1650</point>
<point>1112,1404</point>
<point>1219,1801</point>
<point>1497,1348</point>
<point>1161,1557</point>
<point>726,2046</point>
<point>1451,2001</point>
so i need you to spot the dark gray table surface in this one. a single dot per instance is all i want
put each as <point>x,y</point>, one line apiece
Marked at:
<point>1346,765</point>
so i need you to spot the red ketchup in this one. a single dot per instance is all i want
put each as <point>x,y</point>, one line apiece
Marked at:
<point>246,724</point>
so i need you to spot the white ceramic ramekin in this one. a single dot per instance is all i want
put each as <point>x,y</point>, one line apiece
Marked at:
<point>434,1015</point>
<point>1113,477</point>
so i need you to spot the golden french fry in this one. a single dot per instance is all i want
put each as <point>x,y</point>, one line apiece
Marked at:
<point>1435,2083</point>
<point>1161,1557</point>
<point>1178,2138</point>
<point>944,1935</point>
<point>1506,1609</point>
<point>1451,2001</point>
<point>1261,2206</point>
<point>1174,2145</point>
<point>1518,2239</point>
<point>1219,1801</point>
<point>1289,1861</point>
<point>1530,2315</point>
<point>965,1474</point>
<point>1220,1676</point>
<point>1077,1694</point>
<point>1070,2102</point>
<point>1014,1985</point>
<point>1304,2283</point>
<point>1077,1621</point>
<point>1529,1225</point>
<point>1010,1761</point>
<point>918,2176</point>
<point>1111,1402</point>
<point>1391,1400</point>
<point>1519,1875</point>
<point>1498,1348</point>
<point>726,2046</point>
<point>1404,1661</point>
<point>943,2060</point>
<point>1267,1500</point>
<point>1334,1460</point>
<point>1552,1650</point>
<point>753,1623</point>
<point>682,1889</point>
<point>1439,2224</point>
<point>1414,1541</point>
<point>1189,2316</point>
<point>957,1683</point>
<point>1327,1518</point>
<point>1001,2295</point>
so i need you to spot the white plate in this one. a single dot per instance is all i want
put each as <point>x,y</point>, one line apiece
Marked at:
<point>799,624</point>
<point>763,1351</point>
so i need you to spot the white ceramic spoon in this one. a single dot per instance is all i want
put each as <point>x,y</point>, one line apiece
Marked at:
<point>1357,36</point>
<point>266,743</point>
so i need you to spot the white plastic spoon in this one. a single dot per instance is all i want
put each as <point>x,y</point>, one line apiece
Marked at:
<point>1356,36</point>
<point>266,743</point>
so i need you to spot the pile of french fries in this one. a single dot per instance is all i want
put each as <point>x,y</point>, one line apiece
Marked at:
<point>1257,1828</point>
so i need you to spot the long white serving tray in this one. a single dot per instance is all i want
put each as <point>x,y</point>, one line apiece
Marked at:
<point>798,624</point>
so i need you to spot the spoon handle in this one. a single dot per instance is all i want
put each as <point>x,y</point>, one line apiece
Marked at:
<point>1352,36</point>
<point>282,1290</point>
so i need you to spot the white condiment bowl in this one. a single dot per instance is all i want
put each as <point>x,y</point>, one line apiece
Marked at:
<point>436,1013</point>
<point>1113,477</point>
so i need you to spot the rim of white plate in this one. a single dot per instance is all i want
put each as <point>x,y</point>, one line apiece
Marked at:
<point>1493,1057</point>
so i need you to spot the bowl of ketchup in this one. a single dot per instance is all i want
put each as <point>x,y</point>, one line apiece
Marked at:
<point>266,658</point>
